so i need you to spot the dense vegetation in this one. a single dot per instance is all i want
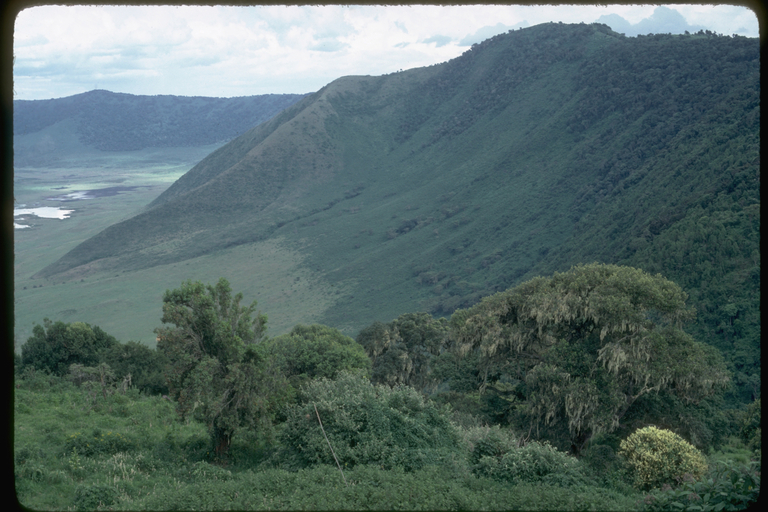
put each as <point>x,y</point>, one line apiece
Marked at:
<point>533,151</point>
<point>118,122</point>
<point>299,421</point>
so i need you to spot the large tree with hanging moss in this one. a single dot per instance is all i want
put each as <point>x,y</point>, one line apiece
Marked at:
<point>585,344</point>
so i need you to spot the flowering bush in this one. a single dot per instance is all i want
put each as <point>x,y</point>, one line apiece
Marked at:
<point>658,457</point>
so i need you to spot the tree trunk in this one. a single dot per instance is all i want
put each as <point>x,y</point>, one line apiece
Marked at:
<point>579,442</point>
<point>221,440</point>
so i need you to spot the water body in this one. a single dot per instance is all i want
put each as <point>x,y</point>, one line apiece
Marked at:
<point>45,212</point>
<point>92,194</point>
<point>53,212</point>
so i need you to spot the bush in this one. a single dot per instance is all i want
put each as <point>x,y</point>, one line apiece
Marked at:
<point>55,346</point>
<point>366,424</point>
<point>91,497</point>
<point>749,428</point>
<point>659,457</point>
<point>534,462</point>
<point>314,351</point>
<point>31,379</point>
<point>143,364</point>
<point>727,486</point>
<point>488,442</point>
<point>98,442</point>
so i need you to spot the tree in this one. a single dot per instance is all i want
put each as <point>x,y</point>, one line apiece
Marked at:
<point>144,365</point>
<point>314,351</point>
<point>403,350</point>
<point>217,371</point>
<point>588,343</point>
<point>56,346</point>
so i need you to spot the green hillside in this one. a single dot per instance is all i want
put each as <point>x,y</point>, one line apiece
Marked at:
<point>427,189</point>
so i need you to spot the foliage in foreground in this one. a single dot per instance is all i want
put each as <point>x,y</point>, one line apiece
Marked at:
<point>396,445</point>
<point>366,424</point>
<point>133,452</point>
<point>727,486</point>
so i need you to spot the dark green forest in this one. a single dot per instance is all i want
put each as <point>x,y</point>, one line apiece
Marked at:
<point>580,390</point>
<point>547,261</point>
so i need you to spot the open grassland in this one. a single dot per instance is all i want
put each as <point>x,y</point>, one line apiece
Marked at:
<point>129,305</point>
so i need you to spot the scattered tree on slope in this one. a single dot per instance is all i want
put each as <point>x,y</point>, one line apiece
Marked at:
<point>218,373</point>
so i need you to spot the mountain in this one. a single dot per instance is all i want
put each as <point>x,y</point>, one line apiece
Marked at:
<point>108,121</point>
<point>427,189</point>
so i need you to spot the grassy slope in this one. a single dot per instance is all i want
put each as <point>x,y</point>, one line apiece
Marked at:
<point>427,189</point>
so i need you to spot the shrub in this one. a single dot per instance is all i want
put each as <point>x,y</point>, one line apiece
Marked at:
<point>31,379</point>
<point>143,364</point>
<point>727,486</point>
<point>366,424</point>
<point>310,352</point>
<point>659,457</point>
<point>55,346</point>
<point>98,442</point>
<point>749,429</point>
<point>91,497</point>
<point>534,462</point>
<point>488,441</point>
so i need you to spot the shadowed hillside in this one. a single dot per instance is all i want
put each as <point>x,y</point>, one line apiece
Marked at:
<point>533,151</point>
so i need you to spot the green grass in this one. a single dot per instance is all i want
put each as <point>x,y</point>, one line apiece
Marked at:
<point>131,452</point>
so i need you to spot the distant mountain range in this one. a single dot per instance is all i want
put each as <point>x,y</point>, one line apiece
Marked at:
<point>111,121</point>
<point>427,189</point>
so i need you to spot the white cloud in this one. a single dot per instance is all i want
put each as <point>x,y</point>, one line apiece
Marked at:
<point>235,51</point>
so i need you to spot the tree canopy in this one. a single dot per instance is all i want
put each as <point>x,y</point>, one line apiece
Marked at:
<point>402,350</point>
<point>54,346</point>
<point>315,351</point>
<point>217,372</point>
<point>585,344</point>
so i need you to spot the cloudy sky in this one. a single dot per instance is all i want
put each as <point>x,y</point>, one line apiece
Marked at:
<point>243,51</point>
